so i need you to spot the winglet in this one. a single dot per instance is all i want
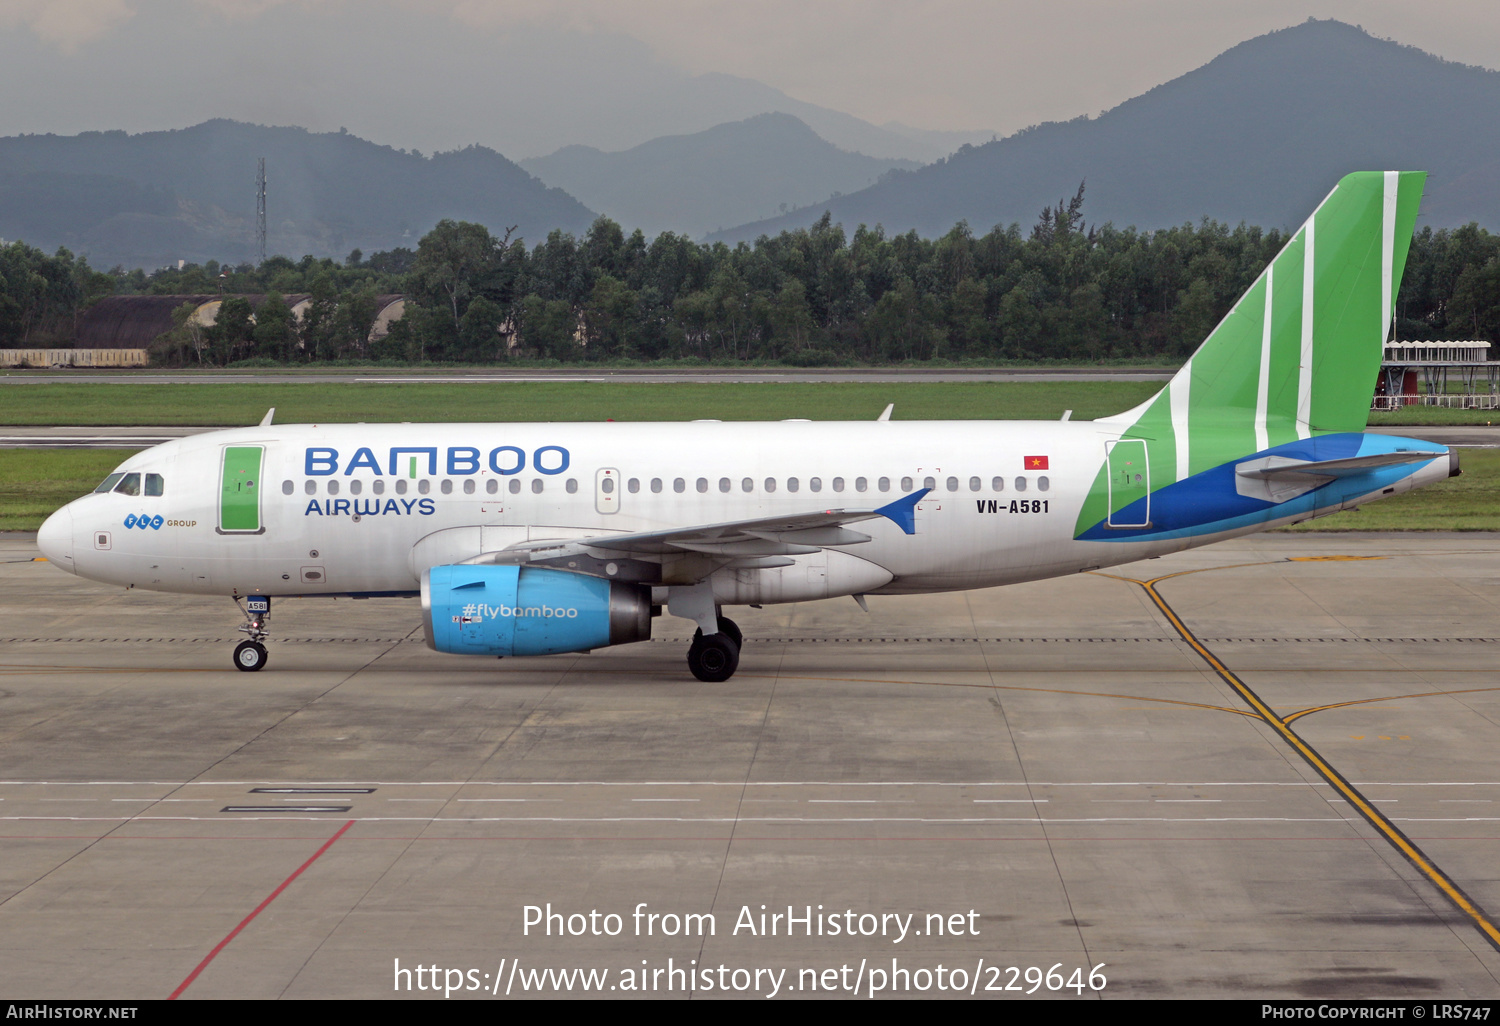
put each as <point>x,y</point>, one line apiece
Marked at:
<point>903,510</point>
<point>266,420</point>
<point>886,415</point>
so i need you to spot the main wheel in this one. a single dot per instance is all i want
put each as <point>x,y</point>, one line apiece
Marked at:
<point>713,657</point>
<point>250,656</point>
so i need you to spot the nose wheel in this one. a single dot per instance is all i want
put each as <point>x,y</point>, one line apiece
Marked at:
<point>250,656</point>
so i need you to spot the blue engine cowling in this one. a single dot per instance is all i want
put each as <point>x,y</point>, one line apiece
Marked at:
<point>518,610</point>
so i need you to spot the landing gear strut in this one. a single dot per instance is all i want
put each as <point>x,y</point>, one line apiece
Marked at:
<point>713,658</point>
<point>250,656</point>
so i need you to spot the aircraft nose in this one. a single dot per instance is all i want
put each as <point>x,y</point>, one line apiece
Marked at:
<point>55,539</point>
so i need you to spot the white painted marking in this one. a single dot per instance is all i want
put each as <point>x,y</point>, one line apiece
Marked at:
<point>1263,389</point>
<point>1305,360</point>
<point>1178,393</point>
<point>1388,252</point>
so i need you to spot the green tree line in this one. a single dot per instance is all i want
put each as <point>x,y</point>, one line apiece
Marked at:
<point>1062,291</point>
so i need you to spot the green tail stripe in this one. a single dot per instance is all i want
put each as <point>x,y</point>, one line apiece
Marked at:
<point>1299,353</point>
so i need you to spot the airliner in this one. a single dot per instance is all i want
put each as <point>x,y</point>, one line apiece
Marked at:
<point>533,539</point>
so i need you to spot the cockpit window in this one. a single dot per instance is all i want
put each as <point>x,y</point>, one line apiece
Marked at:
<point>154,484</point>
<point>130,485</point>
<point>108,484</point>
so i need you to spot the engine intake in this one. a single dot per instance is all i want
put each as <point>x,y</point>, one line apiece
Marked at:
<point>511,610</point>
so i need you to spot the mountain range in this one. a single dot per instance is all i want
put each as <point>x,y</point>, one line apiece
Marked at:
<point>151,199</point>
<point>1259,134</point>
<point>727,175</point>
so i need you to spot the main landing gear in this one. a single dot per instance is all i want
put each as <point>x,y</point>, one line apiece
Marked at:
<point>713,658</point>
<point>250,656</point>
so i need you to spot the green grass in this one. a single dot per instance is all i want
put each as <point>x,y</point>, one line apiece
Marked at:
<point>1416,416</point>
<point>231,405</point>
<point>1469,502</point>
<point>34,482</point>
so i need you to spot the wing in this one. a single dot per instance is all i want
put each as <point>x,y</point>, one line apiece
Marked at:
<point>762,542</point>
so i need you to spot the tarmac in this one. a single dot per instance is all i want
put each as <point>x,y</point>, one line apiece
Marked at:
<point>1276,782</point>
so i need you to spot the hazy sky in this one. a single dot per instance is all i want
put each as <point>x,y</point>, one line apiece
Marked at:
<point>527,76</point>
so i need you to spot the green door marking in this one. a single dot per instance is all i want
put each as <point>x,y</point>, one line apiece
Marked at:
<point>239,494</point>
<point>1129,481</point>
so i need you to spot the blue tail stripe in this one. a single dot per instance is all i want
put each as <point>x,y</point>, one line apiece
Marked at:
<point>1209,502</point>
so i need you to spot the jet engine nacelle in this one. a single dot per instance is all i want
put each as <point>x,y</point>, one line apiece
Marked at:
<point>518,610</point>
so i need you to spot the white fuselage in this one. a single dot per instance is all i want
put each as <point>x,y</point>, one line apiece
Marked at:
<point>345,509</point>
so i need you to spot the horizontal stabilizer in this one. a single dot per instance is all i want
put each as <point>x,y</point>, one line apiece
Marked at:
<point>1280,466</point>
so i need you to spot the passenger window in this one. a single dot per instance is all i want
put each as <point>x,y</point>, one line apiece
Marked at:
<point>770,484</point>
<point>333,487</point>
<point>792,484</point>
<point>154,484</point>
<point>723,484</point>
<point>815,484</point>
<point>310,487</point>
<point>424,486</point>
<point>838,484</point>
<point>656,485</point>
<point>469,486</point>
<point>515,486</point>
<point>378,487</point>
<point>446,487</point>
<point>633,485</point>
<point>975,484</point>
<point>536,486</point>
<point>1020,484</point>
<point>356,486</point>
<point>930,483</point>
<point>400,486</point>
<point>747,485</point>
<point>572,485</point>
<point>492,485</point>
<point>108,484</point>
<point>287,488</point>
<point>998,484</point>
<point>1042,484</point>
<point>953,484</point>
<point>607,486</point>
<point>129,485</point>
<point>906,484</point>
<point>884,484</point>
<point>702,484</point>
<point>679,485</point>
<point>860,484</point>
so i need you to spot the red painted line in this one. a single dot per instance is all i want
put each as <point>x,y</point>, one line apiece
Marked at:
<point>258,910</point>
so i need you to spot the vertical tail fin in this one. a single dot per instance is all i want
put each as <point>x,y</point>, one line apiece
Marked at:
<point>1299,354</point>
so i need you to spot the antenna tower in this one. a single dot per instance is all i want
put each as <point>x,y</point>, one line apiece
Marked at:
<point>260,210</point>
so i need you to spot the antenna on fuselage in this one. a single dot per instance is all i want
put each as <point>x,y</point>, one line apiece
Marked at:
<point>887,414</point>
<point>266,420</point>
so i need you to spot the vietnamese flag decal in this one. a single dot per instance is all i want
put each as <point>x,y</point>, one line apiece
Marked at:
<point>1036,463</point>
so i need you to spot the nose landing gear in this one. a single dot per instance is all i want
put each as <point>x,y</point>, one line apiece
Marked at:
<point>250,656</point>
